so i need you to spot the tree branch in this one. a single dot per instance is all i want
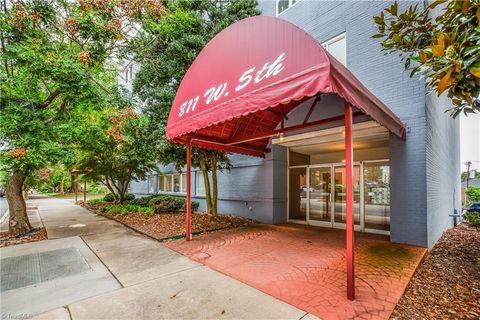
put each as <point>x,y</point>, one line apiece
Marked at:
<point>50,99</point>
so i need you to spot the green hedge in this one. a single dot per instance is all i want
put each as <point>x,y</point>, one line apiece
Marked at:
<point>127,208</point>
<point>110,198</point>
<point>165,203</point>
<point>473,218</point>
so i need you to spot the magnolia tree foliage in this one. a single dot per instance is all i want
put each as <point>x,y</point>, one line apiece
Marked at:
<point>165,49</point>
<point>442,39</point>
<point>54,66</point>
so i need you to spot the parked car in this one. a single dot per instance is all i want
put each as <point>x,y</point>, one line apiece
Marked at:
<point>474,207</point>
<point>3,192</point>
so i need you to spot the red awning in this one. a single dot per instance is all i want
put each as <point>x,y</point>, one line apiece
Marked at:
<point>249,76</point>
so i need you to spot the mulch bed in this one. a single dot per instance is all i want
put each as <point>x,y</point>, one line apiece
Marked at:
<point>7,239</point>
<point>166,226</point>
<point>447,284</point>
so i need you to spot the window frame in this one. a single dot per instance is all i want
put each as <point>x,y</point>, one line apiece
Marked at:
<point>170,176</point>
<point>198,194</point>
<point>290,4</point>
<point>155,184</point>
<point>338,37</point>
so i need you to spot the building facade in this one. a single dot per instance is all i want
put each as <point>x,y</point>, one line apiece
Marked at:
<point>404,188</point>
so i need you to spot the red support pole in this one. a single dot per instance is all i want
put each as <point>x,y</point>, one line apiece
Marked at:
<point>188,227</point>
<point>349,195</point>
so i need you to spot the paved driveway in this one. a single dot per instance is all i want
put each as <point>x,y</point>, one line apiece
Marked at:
<point>94,268</point>
<point>305,267</point>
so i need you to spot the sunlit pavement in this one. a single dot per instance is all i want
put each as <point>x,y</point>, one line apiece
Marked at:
<point>305,267</point>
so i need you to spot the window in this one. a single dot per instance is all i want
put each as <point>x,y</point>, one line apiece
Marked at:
<point>128,73</point>
<point>151,184</point>
<point>184,182</point>
<point>337,47</point>
<point>161,183</point>
<point>199,184</point>
<point>283,5</point>
<point>168,183</point>
<point>176,183</point>
<point>377,195</point>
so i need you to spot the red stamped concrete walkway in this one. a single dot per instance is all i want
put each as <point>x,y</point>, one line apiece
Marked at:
<point>305,267</point>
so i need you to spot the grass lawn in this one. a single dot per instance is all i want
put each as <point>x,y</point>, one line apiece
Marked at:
<point>72,195</point>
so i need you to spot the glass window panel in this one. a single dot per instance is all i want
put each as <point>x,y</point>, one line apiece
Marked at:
<point>151,184</point>
<point>176,183</point>
<point>338,49</point>
<point>340,207</point>
<point>297,194</point>
<point>320,189</point>
<point>161,183</point>
<point>377,195</point>
<point>184,182</point>
<point>199,184</point>
<point>168,183</point>
<point>282,5</point>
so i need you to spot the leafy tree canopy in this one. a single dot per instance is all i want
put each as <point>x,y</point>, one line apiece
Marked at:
<point>115,147</point>
<point>56,64</point>
<point>165,49</point>
<point>444,44</point>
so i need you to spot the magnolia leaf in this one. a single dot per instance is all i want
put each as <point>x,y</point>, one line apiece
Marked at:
<point>465,6</point>
<point>422,56</point>
<point>458,66</point>
<point>437,50</point>
<point>436,3</point>
<point>441,40</point>
<point>394,9</point>
<point>475,69</point>
<point>396,38</point>
<point>443,84</point>
<point>478,15</point>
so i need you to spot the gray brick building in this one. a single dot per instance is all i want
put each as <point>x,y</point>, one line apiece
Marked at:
<point>404,188</point>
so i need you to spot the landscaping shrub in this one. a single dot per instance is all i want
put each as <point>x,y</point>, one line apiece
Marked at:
<point>473,194</point>
<point>110,198</point>
<point>127,208</point>
<point>95,202</point>
<point>129,197</point>
<point>144,202</point>
<point>473,218</point>
<point>165,203</point>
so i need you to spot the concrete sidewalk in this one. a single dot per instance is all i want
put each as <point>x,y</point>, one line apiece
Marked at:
<point>138,278</point>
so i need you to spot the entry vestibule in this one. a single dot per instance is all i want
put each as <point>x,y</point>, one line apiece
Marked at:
<point>316,195</point>
<point>317,178</point>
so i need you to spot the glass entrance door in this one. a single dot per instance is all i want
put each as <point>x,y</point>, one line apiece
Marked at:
<point>320,197</point>
<point>317,195</point>
<point>339,196</point>
<point>297,198</point>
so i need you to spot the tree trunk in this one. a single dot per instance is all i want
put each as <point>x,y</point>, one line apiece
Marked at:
<point>110,188</point>
<point>62,183</point>
<point>208,198</point>
<point>72,182</point>
<point>18,223</point>
<point>214,186</point>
